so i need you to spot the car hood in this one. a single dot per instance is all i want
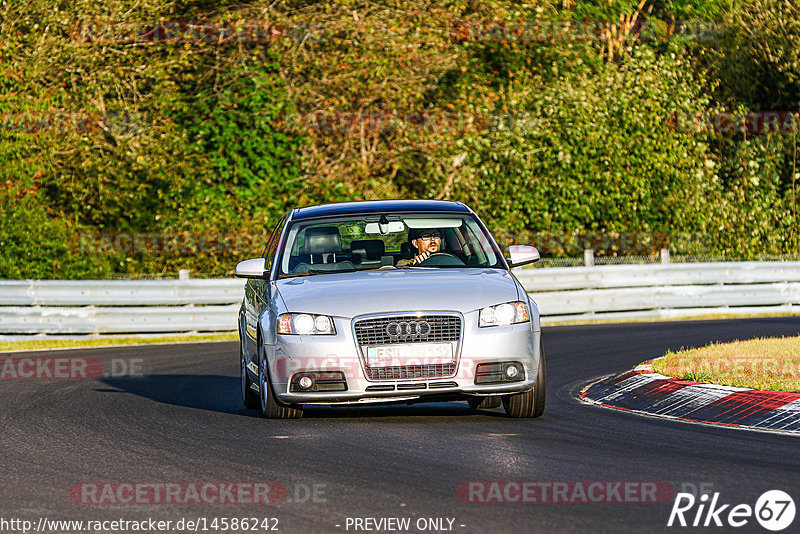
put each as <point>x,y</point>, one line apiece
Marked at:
<point>367,292</point>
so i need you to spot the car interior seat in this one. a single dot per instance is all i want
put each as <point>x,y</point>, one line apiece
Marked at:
<point>323,248</point>
<point>406,251</point>
<point>370,253</point>
<point>322,244</point>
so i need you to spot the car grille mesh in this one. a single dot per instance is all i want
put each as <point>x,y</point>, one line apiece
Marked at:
<point>402,329</point>
<point>411,371</point>
<point>390,330</point>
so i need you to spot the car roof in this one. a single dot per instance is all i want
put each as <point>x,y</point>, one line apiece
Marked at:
<point>379,206</point>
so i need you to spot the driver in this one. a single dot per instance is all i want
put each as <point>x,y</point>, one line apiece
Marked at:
<point>426,242</point>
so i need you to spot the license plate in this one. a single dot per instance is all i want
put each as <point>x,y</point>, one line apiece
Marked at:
<point>416,354</point>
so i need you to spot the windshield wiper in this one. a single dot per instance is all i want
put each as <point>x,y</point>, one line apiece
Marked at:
<point>312,272</point>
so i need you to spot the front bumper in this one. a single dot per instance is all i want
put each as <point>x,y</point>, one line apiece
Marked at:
<point>294,354</point>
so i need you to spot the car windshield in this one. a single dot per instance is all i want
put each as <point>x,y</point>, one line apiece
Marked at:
<point>386,241</point>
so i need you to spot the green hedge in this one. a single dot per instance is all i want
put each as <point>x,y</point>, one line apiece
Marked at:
<point>201,142</point>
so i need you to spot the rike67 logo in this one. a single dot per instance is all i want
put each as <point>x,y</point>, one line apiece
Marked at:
<point>774,510</point>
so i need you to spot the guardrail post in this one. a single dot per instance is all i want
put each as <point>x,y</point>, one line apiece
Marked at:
<point>664,255</point>
<point>183,274</point>
<point>588,258</point>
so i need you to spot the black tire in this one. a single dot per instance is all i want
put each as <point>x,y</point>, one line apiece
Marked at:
<point>269,404</point>
<point>540,390</point>
<point>249,397</point>
<point>529,403</point>
<point>484,403</point>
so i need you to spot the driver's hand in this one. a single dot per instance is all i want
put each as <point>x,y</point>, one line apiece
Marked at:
<point>421,257</point>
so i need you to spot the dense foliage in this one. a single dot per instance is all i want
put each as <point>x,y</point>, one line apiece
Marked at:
<point>173,135</point>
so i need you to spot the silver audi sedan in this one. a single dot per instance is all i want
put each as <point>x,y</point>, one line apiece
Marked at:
<point>384,302</point>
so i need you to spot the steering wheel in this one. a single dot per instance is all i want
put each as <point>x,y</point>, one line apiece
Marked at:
<point>442,259</point>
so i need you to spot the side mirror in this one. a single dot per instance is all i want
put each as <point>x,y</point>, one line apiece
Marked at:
<point>251,268</point>
<point>522,255</point>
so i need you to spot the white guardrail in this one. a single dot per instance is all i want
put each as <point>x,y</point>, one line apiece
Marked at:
<point>563,294</point>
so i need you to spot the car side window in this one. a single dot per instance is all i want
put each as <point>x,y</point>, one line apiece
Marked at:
<point>272,244</point>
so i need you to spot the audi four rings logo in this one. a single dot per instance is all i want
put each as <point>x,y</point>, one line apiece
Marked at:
<point>408,329</point>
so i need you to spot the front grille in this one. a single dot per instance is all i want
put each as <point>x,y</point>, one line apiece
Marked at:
<point>408,329</point>
<point>401,372</point>
<point>440,385</point>
<point>412,385</point>
<point>380,388</point>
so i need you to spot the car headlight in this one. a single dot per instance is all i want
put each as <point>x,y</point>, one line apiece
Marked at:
<point>305,324</point>
<point>504,314</point>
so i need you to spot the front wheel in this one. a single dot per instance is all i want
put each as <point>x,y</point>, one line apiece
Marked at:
<point>529,403</point>
<point>270,406</point>
<point>249,397</point>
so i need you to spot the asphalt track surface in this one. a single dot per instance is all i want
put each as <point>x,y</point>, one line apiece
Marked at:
<point>183,421</point>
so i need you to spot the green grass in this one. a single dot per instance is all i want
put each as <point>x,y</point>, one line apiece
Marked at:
<point>764,363</point>
<point>109,341</point>
<point>707,317</point>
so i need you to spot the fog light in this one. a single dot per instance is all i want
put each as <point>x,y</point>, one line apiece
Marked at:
<point>512,371</point>
<point>497,373</point>
<point>306,382</point>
